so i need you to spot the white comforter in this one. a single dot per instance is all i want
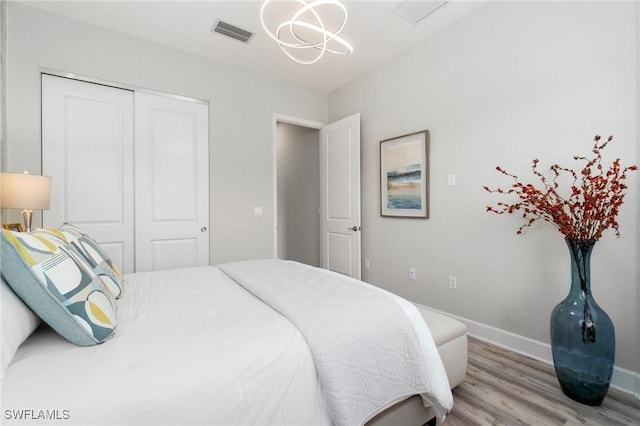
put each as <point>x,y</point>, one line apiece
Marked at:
<point>364,341</point>
<point>191,348</point>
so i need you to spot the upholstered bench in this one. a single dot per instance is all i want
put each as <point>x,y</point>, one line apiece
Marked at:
<point>450,336</point>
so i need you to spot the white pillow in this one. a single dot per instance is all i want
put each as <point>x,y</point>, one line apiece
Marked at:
<point>17,323</point>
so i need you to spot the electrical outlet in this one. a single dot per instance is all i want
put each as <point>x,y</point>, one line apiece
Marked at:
<point>412,273</point>
<point>366,264</point>
<point>453,283</point>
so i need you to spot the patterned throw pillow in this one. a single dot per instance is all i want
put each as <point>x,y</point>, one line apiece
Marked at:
<point>54,278</point>
<point>94,255</point>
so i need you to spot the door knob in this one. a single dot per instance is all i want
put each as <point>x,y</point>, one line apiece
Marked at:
<point>203,229</point>
<point>354,228</point>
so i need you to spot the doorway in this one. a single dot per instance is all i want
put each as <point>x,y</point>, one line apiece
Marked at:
<point>298,193</point>
<point>337,209</point>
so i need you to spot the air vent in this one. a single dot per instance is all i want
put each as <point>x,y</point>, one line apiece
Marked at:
<point>232,31</point>
<point>416,11</point>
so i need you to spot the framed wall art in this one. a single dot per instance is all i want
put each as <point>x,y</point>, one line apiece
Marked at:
<point>404,176</point>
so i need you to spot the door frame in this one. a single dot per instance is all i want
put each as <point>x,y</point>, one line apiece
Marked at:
<point>280,118</point>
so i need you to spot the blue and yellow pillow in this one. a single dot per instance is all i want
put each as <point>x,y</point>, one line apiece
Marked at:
<point>94,255</point>
<point>56,277</point>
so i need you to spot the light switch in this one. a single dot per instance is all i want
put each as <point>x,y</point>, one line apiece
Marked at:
<point>258,211</point>
<point>451,180</point>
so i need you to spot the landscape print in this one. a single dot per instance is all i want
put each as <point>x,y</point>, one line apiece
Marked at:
<point>404,174</point>
<point>404,189</point>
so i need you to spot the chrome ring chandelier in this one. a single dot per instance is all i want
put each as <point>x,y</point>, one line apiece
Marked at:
<point>295,32</point>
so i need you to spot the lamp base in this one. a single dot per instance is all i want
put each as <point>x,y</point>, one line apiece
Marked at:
<point>26,217</point>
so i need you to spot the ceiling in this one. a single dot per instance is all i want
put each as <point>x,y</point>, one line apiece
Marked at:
<point>376,33</point>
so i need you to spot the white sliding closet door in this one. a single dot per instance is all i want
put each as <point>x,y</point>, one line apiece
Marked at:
<point>129,168</point>
<point>87,149</point>
<point>172,183</point>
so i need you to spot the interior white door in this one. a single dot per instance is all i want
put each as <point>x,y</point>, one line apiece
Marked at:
<point>340,196</point>
<point>87,149</point>
<point>172,182</point>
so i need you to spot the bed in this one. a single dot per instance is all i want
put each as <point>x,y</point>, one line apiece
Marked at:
<point>251,342</point>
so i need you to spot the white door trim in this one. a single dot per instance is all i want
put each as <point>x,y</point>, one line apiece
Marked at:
<point>279,118</point>
<point>87,79</point>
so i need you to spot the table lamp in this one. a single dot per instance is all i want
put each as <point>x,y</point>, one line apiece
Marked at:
<point>25,191</point>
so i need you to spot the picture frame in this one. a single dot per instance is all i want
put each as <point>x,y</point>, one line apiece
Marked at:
<point>13,227</point>
<point>404,176</point>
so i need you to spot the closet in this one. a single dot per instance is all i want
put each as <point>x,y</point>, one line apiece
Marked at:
<point>131,168</point>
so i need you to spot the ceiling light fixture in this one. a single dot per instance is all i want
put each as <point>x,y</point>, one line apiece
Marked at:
<point>306,30</point>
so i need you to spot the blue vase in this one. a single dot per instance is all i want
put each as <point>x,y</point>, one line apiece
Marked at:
<point>582,334</point>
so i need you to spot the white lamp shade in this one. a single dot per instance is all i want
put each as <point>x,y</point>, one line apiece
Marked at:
<point>24,191</point>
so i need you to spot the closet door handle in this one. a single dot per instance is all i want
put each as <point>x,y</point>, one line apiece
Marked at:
<point>203,229</point>
<point>354,228</point>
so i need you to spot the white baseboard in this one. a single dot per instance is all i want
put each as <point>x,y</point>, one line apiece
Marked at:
<point>623,379</point>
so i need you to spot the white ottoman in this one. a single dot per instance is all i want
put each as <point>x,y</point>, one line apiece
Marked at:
<point>450,336</point>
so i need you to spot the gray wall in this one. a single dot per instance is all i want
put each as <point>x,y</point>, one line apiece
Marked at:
<point>509,83</point>
<point>298,193</point>
<point>241,106</point>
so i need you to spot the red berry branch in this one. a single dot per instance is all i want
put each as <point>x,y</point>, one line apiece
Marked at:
<point>591,206</point>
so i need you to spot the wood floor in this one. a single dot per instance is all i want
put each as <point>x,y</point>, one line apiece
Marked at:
<point>506,388</point>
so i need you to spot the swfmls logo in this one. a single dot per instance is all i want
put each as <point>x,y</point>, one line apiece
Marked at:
<point>31,414</point>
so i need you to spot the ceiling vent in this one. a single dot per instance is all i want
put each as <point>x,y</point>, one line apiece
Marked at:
<point>415,11</point>
<point>232,31</point>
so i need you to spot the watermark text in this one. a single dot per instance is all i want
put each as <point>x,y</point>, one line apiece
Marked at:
<point>35,414</point>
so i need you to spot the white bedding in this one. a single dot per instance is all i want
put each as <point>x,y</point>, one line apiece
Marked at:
<point>365,346</point>
<point>192,347</point>
<point>184,353</point>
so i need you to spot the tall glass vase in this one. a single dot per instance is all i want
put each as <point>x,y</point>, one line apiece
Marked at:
<point>582,334</point>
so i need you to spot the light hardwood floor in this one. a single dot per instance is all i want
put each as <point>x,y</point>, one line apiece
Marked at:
<point>506,388</point>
